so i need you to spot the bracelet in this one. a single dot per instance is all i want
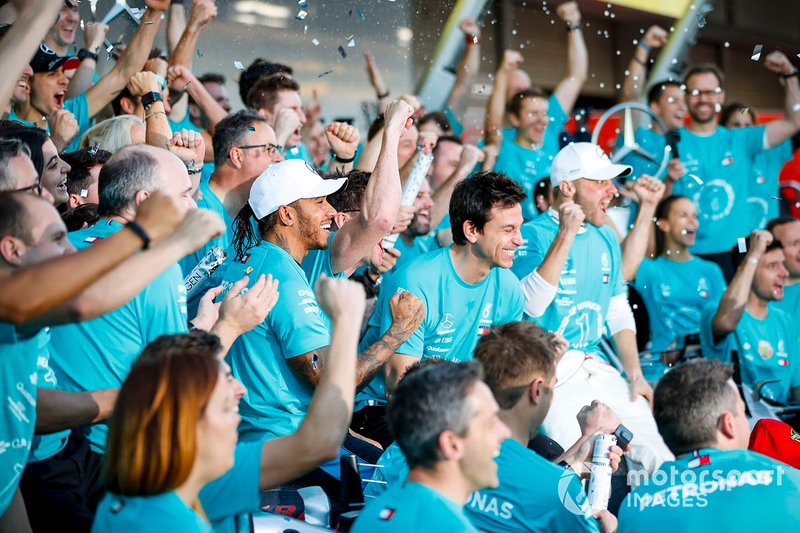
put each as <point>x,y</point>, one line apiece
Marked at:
<point>794,74</point>
<point>383,95</point>
<point>173,2</point>
<point>576,27</point>
<point>342,159</point>
<point>194,171</point>
<point>83,53</point>
<point>154,113</point>
<point>642,63</point>
<point>645,46</point>
<point>140,232</point>
<point>470,39</point>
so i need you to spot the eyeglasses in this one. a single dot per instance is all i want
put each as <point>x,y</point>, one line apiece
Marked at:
<point>696,93</point>
<point>35,188</point>
<point>272,149</point>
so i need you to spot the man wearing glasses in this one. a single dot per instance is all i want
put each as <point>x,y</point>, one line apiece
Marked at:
<point>17,172</point>
<point>719,161</point>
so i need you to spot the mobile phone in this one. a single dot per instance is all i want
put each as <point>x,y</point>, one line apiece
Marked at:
<point>624,436</point>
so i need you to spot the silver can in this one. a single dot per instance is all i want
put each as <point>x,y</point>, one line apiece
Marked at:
<point>600,482</point>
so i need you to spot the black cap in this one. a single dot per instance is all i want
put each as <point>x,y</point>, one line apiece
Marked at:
<point>46,60</point>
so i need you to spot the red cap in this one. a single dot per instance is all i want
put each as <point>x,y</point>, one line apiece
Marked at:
<point>776,439</point>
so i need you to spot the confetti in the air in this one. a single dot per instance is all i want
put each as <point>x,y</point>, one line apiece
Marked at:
<point>342,52</point>
<point>351,42</point>
<point>757,52</point>
<point>796,107</point>
<point>84,193</point>
<point>302,3</point>
<point>325,73</point>
<point>301,15</point>
<point>238,65</point>
<point>701,20</point>
<point>199,53</point>
<point>742,245</point>
<point>315,42</point>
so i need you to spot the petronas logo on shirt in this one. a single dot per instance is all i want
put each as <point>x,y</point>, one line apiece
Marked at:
<point>386,514</point>
<point>765,349</point>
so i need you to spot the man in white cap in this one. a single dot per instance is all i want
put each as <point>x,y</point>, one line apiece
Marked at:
<point>576,288</point>
<point>279,362</point>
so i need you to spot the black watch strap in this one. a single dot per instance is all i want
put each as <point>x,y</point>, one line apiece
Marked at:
<point>150,98</point>
<point>83,53</point>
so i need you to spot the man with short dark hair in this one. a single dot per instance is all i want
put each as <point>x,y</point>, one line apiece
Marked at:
<point>786,230</point>
<point>715,483</point>
<point>82,178</point>
<point>447,425</point>
<point>277,99</point>
<point>764,337</point>
<point>466,288</point>
<point>721,160</point>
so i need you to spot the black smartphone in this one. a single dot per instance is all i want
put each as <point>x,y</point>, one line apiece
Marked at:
<point>624,436</point>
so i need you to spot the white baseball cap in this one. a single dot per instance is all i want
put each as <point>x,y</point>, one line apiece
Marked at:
<point>286,182</point>
<point>584,160</point>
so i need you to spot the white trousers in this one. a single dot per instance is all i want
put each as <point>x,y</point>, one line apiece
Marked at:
<point>583,378</point>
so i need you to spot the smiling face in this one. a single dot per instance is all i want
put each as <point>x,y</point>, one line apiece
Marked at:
<point>22,87</point>
<point>594,198</point>
<point>532,121</point>
<point>680,225</point>
<point>62,33</point>
<point>481,443</point>
<point>48,90</point>
<point>770,276</point>
<point>314,220</point>
<point>704,97</point>
<point>671,107</point>
<point>54,173</point>
<point>789,236</point>
<point>421,223</point>
<point>217,430</point>
<point>500,237</point>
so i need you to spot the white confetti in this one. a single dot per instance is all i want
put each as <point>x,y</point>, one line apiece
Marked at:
<point>742,245</point>
<point>238,65</point>
<point>796,107</point>
<point>315,42</point>
<point>84,193</point>
<point>756,56</point>
<point>301,15</point>
<point>351,43</point>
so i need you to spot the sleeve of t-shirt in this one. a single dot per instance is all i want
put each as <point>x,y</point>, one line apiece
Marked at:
<point>162,304</point>
<point>716,282</point>
<point>710,349</point>
<point>415,345</point>
<point>643,275</point>
<point>297,320</point>
<point>79,106</point>
<point>616,261</point>
<point>753,139</point>
<point>236,492</point>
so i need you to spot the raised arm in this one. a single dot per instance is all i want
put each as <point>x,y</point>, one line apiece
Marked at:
<point>325,425</point>
<point>731,306</point>
<point>470,156</point>
<point>469,64</point>
<point>649,191</point>
<point>343,140</point>
<point>31,291</point>
<point>496,106</point>
<point>636,80</point>
<point>94,34</point>
<point>203,12</point>
<point>376,80</point>
<point>784,128</point>
<point>18,46</point>
<point>568,89</point>
<point>131,61</point>
<point>176,23</point>
<point>180,78</point>
<point>381,198</point>
<point>156,123</point>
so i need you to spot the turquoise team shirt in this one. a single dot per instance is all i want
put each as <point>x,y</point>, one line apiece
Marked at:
<point>145,514</point>
<point>276,400</point>
<point>19,356</point>
<point>651,142</point>
<point>207,199</point>
<point>79,107</point>
<point>299,152</point>
<point>591,275</point>
<point>420,246</point>
<point>46,446</point>
<point>735,490</point>
<point>763,202</point>
<point>723,161</point>
<point>98,354</point>
<point>412,507</point>
<point>675,293</point>
<point>234,495</point>
<point>318,262</point>
<point>456,313</point>
<point>791,301</point>
<point>185,124</point>
<point>526,166</point>
<point>768,349</point>
<point>534,495</point>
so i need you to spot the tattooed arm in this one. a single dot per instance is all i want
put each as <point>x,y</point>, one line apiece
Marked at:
<point>407,314</point>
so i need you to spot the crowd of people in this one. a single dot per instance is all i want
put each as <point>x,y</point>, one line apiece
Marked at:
<point>203,303</point>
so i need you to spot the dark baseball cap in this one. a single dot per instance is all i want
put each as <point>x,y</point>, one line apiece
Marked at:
<point>46,60</point>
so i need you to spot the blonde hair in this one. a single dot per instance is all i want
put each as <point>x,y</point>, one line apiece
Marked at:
<point>111,134</point>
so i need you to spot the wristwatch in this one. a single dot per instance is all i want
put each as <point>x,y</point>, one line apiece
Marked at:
<point>148,99</point>
<point>83,53</point>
